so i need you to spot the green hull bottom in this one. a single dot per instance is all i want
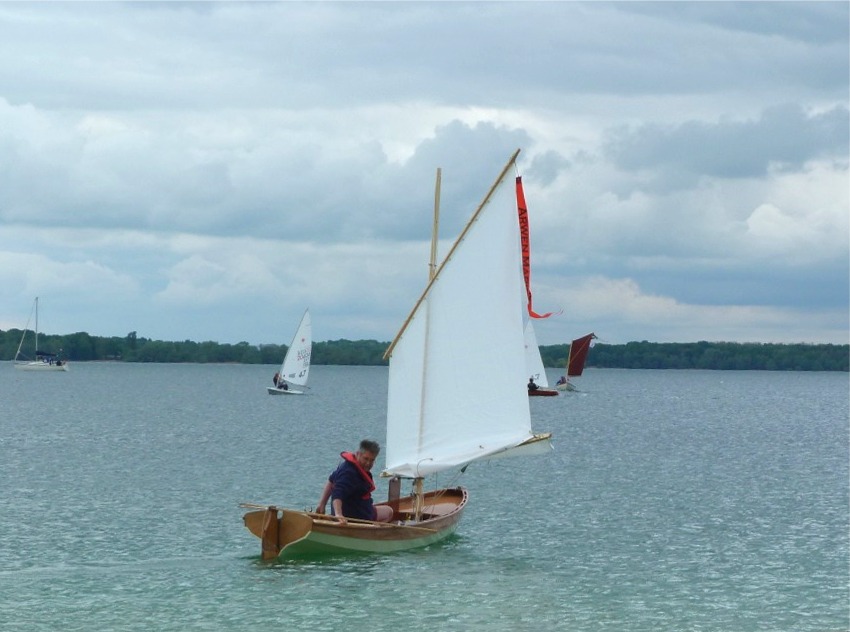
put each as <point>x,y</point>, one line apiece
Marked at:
<point>319,544</point>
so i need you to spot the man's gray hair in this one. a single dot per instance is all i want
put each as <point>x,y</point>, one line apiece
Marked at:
<point>367,445</point>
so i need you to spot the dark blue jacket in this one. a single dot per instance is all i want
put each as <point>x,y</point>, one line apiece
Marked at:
<point>350,486</point>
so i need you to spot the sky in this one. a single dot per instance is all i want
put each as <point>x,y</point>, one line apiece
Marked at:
<point>207,171</point>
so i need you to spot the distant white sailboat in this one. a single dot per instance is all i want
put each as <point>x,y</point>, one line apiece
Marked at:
<point>42,361</point>
<point>295,368</point>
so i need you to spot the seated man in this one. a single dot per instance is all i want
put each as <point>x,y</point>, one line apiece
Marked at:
<point>350,487</point>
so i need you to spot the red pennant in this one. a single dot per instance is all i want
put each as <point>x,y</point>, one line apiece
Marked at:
<point>522,211</point>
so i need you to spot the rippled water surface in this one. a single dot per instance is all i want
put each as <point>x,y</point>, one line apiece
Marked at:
<point>674,500</point>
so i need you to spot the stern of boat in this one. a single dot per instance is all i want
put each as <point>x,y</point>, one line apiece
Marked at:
<point>277,529</point>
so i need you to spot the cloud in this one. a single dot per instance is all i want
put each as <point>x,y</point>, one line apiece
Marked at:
<point>59,283</point>
<point>818,24</point>
<point>161,171</point>
<point>784,137</point>
<point>603,305</point>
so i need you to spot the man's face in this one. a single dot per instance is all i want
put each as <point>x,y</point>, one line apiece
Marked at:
<point>366,459</point>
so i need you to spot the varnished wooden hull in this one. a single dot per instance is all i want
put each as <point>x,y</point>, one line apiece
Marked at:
<point>292,533</point>
<point>542,392</point>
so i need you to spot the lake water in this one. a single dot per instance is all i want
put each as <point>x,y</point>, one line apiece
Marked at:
<point>673,501</point>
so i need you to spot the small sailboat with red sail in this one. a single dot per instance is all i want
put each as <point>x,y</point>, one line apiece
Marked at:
<point>576,359</point>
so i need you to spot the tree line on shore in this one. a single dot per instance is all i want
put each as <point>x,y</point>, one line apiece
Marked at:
<point>82,347</point>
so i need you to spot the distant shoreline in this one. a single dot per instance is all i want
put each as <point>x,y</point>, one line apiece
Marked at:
<point>82,347</point>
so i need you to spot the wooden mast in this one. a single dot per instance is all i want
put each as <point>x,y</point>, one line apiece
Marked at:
<point>418,491</point>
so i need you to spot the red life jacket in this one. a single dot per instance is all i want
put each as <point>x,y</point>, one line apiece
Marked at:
<point>352,458</point>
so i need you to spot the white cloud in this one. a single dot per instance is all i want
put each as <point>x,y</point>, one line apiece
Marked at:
<point>808,220</point>
<point>611,306</point>
<point>205,184</point>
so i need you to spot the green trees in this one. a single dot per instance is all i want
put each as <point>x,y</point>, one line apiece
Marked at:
<point>350,352</point>
<point>710,355</point>
<point>81,346</point>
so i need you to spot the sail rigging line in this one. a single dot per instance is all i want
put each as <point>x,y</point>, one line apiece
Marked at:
<point>33,310</point>
<point>36,326</point>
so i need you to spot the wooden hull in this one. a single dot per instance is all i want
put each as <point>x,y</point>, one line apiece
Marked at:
<point>290,533</point>
<point>279,391</point>
<point>542,392</point>
<point>41,366</point>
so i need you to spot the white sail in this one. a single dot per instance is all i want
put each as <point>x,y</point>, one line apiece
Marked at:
<point>447,405</point>
<point>295,368</point>
<point>533,362</point>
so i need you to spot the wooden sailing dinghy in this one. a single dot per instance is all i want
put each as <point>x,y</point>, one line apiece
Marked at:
<point>304,533</point>
<point>441,415</point>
